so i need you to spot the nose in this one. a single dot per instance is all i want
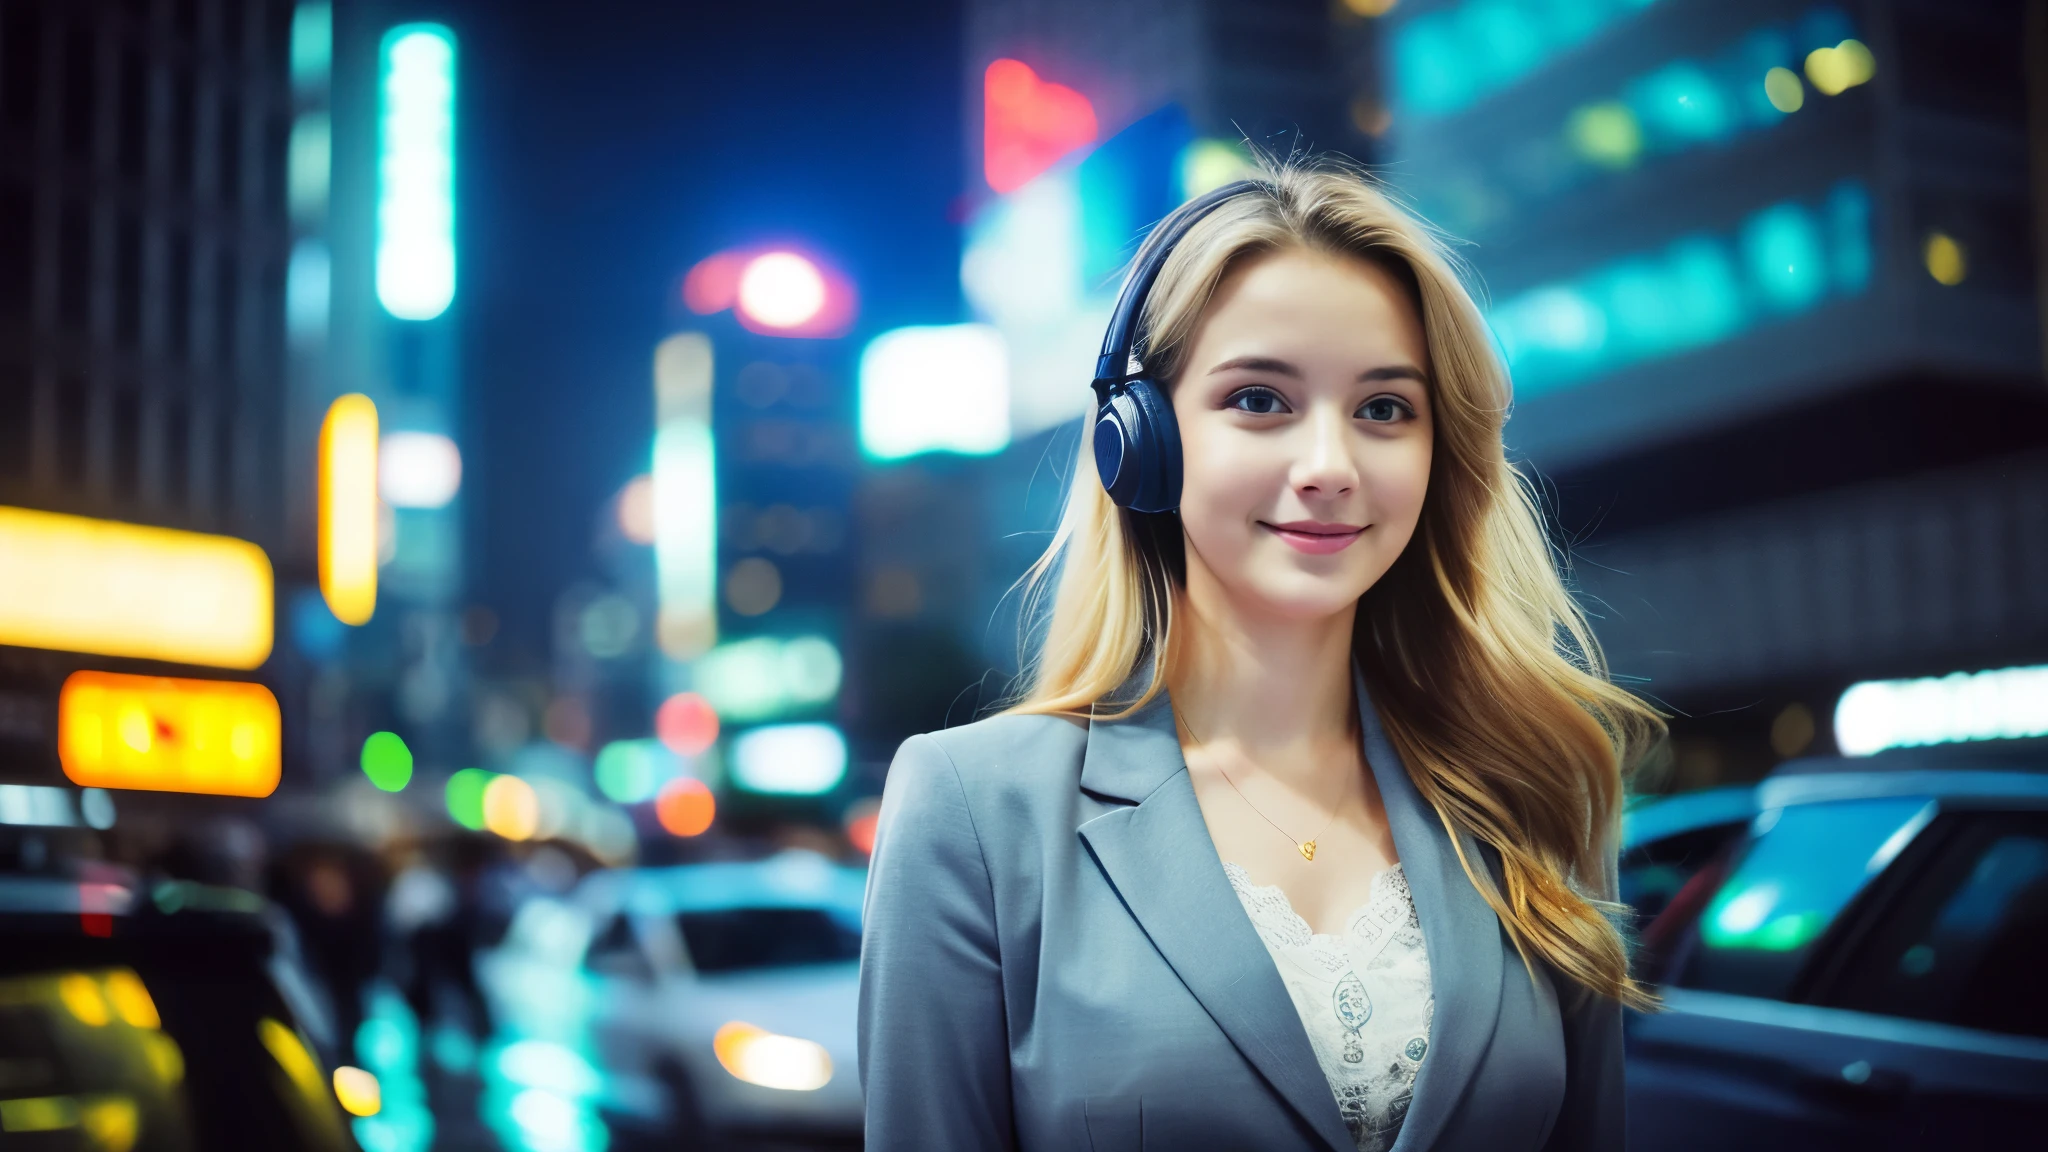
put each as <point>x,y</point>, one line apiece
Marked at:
<point>1325,466</point>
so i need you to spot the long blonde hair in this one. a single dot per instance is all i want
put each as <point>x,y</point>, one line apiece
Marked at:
<point>1484,671</point>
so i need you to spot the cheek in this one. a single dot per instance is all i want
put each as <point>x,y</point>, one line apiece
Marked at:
<point>1397,480</point>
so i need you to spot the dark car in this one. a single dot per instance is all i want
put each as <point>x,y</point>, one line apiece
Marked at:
<point>1852,954</point>
<point>151,1019</point>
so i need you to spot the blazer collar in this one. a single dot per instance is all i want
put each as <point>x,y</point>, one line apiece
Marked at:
<point>1158,855</point>
<point>1460,934</point>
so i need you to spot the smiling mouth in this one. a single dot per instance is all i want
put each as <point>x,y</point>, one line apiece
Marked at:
<point>1315,539</point>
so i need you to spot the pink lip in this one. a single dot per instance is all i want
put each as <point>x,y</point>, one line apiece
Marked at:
<point>1315,537</point>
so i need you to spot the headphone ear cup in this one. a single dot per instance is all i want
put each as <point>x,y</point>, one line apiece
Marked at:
<point>1137,448</point>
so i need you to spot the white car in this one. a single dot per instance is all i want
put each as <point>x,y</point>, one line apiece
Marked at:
<point>680,1006</point>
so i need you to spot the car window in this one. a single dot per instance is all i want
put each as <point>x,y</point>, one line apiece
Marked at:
<point>1803,865</point>
<point>1967,942</point>
<point>737,939</point>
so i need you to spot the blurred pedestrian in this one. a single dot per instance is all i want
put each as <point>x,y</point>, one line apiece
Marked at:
<point>334,893</point>
<point>1302,833</point>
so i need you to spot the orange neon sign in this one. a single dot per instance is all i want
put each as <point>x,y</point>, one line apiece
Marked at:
<point>155,733</point>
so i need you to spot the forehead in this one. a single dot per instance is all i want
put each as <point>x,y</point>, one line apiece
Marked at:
<point>1315,309</point>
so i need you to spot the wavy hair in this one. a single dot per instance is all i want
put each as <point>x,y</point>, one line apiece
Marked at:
<point>1484,670</point>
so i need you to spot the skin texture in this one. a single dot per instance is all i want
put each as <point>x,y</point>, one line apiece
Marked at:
<point>1304,398</point>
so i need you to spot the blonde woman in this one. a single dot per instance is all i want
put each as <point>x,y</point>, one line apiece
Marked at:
<point>1302,834</point>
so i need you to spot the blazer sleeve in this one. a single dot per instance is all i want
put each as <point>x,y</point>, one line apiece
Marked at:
<point>1593,1117</point>
<point>934,1052</point>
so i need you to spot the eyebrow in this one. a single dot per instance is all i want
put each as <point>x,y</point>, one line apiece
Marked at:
<point>1283,368</point>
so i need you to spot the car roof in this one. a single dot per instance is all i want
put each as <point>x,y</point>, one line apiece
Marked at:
<point>1656,817</point>
<point>790,879</point>
<point>1811,780</point>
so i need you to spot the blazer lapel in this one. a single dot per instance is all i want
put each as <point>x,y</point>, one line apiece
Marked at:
<point>1460,932</point>
<point>1159,858</point>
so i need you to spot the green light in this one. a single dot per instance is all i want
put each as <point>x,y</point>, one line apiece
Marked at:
<point>466,797</point>
<point>764,677</point>
<point>631,771</point>
<point>387,761</point>
<point>1607,134</point>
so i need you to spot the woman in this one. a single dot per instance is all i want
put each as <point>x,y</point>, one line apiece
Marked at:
<point>1302,835</point>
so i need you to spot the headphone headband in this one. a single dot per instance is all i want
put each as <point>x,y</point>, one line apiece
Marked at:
<point>1114,363</point>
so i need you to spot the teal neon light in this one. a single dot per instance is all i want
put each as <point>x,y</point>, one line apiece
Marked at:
<point>1785,260</point>
<point>416,171</point>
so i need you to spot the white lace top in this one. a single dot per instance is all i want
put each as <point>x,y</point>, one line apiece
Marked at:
<point>1363,995</point>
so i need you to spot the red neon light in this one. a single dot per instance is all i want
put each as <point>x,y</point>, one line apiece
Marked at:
<point>713,283</point>
<point>1028,124</point>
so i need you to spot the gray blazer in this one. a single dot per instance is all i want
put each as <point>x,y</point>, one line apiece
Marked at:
<point>1053,958</point>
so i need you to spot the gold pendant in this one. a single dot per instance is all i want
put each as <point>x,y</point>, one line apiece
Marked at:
<point>1307,848</point>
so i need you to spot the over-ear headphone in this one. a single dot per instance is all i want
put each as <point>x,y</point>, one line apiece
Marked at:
<point>1137,440</point>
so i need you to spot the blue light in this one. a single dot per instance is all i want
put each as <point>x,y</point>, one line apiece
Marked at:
<point>1682,102</point>
<point>315,632</point>
<point>307,289</point>
<point>1697,291</point>
<point>1781,247</point>
<point>1849,231</point>
<point>1444,61</point>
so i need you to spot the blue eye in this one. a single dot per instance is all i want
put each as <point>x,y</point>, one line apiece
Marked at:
<point>1385,409</point>
<point>1257,401</point>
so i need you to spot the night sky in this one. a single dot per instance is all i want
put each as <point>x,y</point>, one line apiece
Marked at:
<point>606,146</point>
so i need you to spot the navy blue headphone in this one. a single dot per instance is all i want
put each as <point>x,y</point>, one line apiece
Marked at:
<point>1137,440</point>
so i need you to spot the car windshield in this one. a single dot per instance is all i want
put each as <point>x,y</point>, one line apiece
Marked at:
<point>1805,864</point>
<point>740,939</point>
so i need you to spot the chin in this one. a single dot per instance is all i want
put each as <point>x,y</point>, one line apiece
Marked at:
<point>1299,596</point>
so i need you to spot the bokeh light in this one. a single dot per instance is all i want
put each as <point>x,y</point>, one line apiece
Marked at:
<point>636,509</point>
<point>754,586</point>
<point>1784,89</point>
<point>418,469</point>
<point>217,737</point>
<point>789,759</point>
<point>1945,259</point>
<point>860,821</point>
<point>761,1057</point>
<point>358,1091</point>
<point>685,807</point>
<point>465,797</point>
<point>132,1000</point>
<point>937,388</point>
<point>781,290</point>
<point>416,172</point>
<point>348,504</point>
<point>387,761</point>
<point>510,808</point>
<point>687,723</point>
<point>1028,124</point>
<point>632,771</point>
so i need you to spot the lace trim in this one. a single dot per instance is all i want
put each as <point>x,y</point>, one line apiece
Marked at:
<point>1387,907</point>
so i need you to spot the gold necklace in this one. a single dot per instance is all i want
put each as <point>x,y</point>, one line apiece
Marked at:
<point>1307,847</point>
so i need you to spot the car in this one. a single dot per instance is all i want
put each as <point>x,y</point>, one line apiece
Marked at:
<point>1850,954</point>
<point>154,1017</point>
<point>682,1006</point>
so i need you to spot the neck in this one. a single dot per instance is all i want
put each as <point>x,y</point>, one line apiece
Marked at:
<point>1276,688</point>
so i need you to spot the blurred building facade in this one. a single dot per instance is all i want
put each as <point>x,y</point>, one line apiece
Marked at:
<point>142,255</point>
<point>1764,273</point>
